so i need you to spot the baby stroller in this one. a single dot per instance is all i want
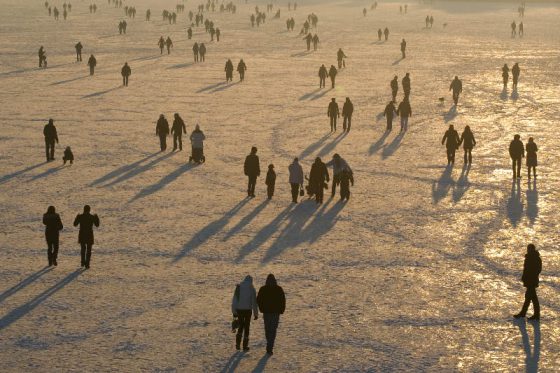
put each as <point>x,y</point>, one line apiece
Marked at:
<point>197,156</point>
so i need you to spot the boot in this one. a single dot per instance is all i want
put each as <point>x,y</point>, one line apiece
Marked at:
<point>246,345</point>
<point>238,342</point>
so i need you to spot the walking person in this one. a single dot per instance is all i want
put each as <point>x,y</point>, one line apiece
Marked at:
<point>53,226</point>
<point>340,56</point>
<point>505,75</point>
<point>178,128</point>
<point>195,51</point>
<point>333,113</point>
<point>403,48</point>
<point>347,110</point>
<point>531,149</point>
<point>405,111</point>
<point>243,306</point>
<point>323,73</point>
<point>516,152</point>
<point>79,48</point>
<point>318,177</point>
<point>406,85</point>
<point>389,114</point>
<point>332,74</point>
<point>92,62</point>
<point>515,71</point>
<point>451,140</point>
<point>532,267</point>
<point>457,87</point>
<point>229,71</point>
<point>270,181</point>
<point>125,72</point>
<point>252,170</point>
<point>168,44</point>
<point>272,303</point>
<point>86,221</point>
<point>338,164</point>
<point>468,141</point>
<point>51,136</point>
<point>162,130</point>
<point>241,68</point>
<point>197,143</point>
<point>202,52</point>
<point>394,87</point>
<point>296,179</point>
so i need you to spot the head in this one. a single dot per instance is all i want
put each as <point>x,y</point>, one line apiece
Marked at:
<point>396,77</point>
<point>271,167</point>
<point>516,137</point>
<point>531,139</point>
<point>456,77</point>
<point>271,280</point>
<point>347,99</point>
<point>451,128</point>
<point>248,279</point>
<point>333,99</point>
<point>176,115</point>
<point>407,75</point>
<point>254,150</point>
<point>531,249</point>
<point>68,148</point>
<point>318,160</point>
<point>51,210</point>
<point>467,129</point>
<point>87,209</point>
<point>161,116</point>
<point>336,156</point>
<point>296,160</point>
<point>51,121</point>
<point>197,128</point>
<point>126,63</point>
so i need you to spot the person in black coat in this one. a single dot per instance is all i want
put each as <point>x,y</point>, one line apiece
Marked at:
<point>86,221</point>
<point>270,181</point>
<point>468,141</point>
<point>51,137</point>
<point>389,113</point>
<point>252,170</point>
<point>53,226</point>
<point>531,269</point>
<point>317,178</point>
<point>272,303</point>
<point>126,71</point>
<point>451,140</point>
<point>162,130</point>
<point>516,152</point>
<point>177,130</point>
<point>347,111</point>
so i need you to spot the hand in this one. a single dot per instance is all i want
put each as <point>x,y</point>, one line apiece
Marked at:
<point>256,317</point>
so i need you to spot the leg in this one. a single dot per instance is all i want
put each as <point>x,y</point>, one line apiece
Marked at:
<point>536,305</point>
<point>54,256</point>
<point>349,123</point>
<point>83,254</point>
<point>50,252</point>
<point>180,142</point>
<point>344,120</point>
<point>528,299</point>
<point>519,168</point>
<point>332,126</point>
<point>295,192</point>
<point>88,254</point>
<point>174,142</point>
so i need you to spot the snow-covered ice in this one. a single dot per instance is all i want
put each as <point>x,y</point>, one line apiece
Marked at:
<point>420,270</point>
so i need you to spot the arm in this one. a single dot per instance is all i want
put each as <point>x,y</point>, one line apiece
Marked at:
<point>254,301</point>
<point>60,226</point>
<point>77,220</point>
<point>443,140</point>
<point>96,220</point>
<point>282,301</point>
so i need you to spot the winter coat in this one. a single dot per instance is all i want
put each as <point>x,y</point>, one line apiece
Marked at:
<point>270,178</point>
<point>531,149</point>
<point>340,55</point>
<point>318,175</point>
<point>229,66</point>
<point>252,166</point>
<point>404,109</point>
<point>50,133</point>
<point>394,85</point>
<point>53,225</point>
<point>532,267</point>
<point>456,86</point>
<point>92,62</point>
<point>323,73</point>
<point>333,110</point>
<point>347,109</point>
<point>245,297</point>
<point>338,166</point>
<point>178,126</point>
<point>126,71</point>
<point>452,138</point>
<point>78,47</point>
<point>271,297</point>
<point>241,67</point>
<point>515,71</point>
<point>162,127</point>
<point>332,72</point>
<point>296,173</point>
<point>197,139</point>
<point>516,149</point>
<point>389,111</point>
<point>86,223</point>
<point>467,139</point>
<point>406,84</point>
<point>202,49</point>
<point>68,155</point>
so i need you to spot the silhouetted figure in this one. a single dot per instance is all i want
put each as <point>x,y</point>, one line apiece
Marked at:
<point>53,226</point>
<point>195,51</point>
<point>340,56</point>
<point>323,73</point>
<point>513,28</point>
<point>197,143</point>
<point>347,111</point>
<point>162,131</point>
<point>403,48</point>
<point>532,267</point>
<point>272,303</point>
<point>189,33</point>
<point>177,130</point>
<point>427,21</point>
<point>405,111</point>
<point>86,221</point>
<point>308,39</point>
<point>202,52</point>
<point>332,74</point>
<point>346,179</point>
<point>389,114</point>
<point>386,32</point>
<point>394,87</point>
<point>41,56</point>
<point>406,85</point>
<point>79,48</point>
<point>505,75</point>
<point>296,179</point>
<point>229,70</point>
<point>50,138</point>
<point>468,141</point>
<point>431,21</point>
<point>125,72</point>
<point>252,20</point>
<point>315,42</point>
<point>516,152</point>
<point>379,34</point>
<point>92,62</point>
<point>161,44</point>
<point>270,181</point>
<point>243,305</point>
<point>338,164</point>
<point>520,29</point>
<point>252,170</point>
<point>333,113</point>
<point>451,140</point>
<point>318,176</point>
<point>531,149</point>
<point>68,156</point>
<point>457,87</point>
<point>515,71</point>
<point>148,14</point>
<point>241,68</point>
<point>218,33</point>
<point>168,44</point>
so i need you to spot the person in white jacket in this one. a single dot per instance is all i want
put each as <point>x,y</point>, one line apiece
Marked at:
<point>296,179</point>
<point>243,304</point>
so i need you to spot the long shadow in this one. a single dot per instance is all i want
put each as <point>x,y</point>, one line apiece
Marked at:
<point>101,93</point>
<point>211,86</point>
<point>17,313</point>
<point>504,94</point>
<point>321,94</point>
<point>393,146</point>
<point>532,196</point>
<point>208,231</point>
<point>376,146</point>
<point>138,170</point>
<point>514,95</point>
<point>332,145</point>
<point>441,187</point>
<point>531,357</point>
<point>313,147</point>
<point>451,114</point>
<point>233,362</point>
<point>6,178</point>
<point>379,116</point>
<point>28,281</point>
<point>301,54</point>
<point>48,172</point>
<point>21,71</point>
<point>310,94</point>
<point>122,170</point>
<point>246,220</point>
<point>515,204</point>
<point>167,179</point>
<point>180,66</point>
<point>261,364</point>
<point>224,87</point>
<point>462,184</point>
<point>70,80</point>
<point>397,61</point>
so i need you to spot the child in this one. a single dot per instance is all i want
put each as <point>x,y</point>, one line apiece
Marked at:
<point>68,156</point>
<point>45,61</point>
<point>346,178</point>
<point>270,180</point>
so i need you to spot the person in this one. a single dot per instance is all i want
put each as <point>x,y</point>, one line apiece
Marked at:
<point>332,74</point>
<point>241,68</point>
<point>79,48</point>
<point>515,71</point>
<point>386,32</point>
<point>347,110</point>
<point>531,149</point>
<point>394,87</point>
<point>243,305</point>
<point>177,129</point>
<point>168,44</point>
<point>189,33</point>
<point>229,71</point>
<point>516,152</point>
<point>513,27</point>
<point>197,143</point>
<point>322,76</point>
<point>427,21</point>
<point>451,140</point>
<point>296,179</point>
<point>505,75</point>
<point>68,156</point>
<point>405,111</point>
<point>315,42</point>
<point>202,52</point>
<point>125,72</point>
<point>457,87</point>
<point>403,48</point>
<point>162,130</point>
<point>51,137</point>
<point>148,14</point>
<point>532,267</point>
<point>364,12</point>
<point>406,85</point>
<point>161,44</point>
<point>389,114</point>
<point>195,51</point>
<point>53,226</point>
<point>431,21</point>
<point>92,62</point>
<point>218,33</point>
<point>86,221</point>
<point>379,34</point>
<point>308,39</point>
<point>333,113</point>
<point>252,170</point>
<point>520,29</point>
<point>346,178</point>
<point>41,56</point>
<point>317,178</point>
<point>340,56</point>
<point>272,303</point>
<point>338,164</point>
<point>270,181</point>
<point>468,141</point>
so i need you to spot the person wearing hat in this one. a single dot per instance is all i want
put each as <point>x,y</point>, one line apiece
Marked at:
<point>270,181</point>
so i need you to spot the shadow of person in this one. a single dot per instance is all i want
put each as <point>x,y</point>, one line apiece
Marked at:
<point>392,147</point>
<point>451,114</point>
<point>320,94</point>
<point>313,147</point>
<point>532,195</point>
<point>133,172</point>
<point>462,184</point>
<point>376,146</point>
<point>310,94</point>
<point>441,187</point>
<point>261,364</point>
<point>531,357</point>
<point>515,204</point>
<point>327,149</point>
<point>514,95</point>
<point>167,179</point>
<point>211,86</point>
<point>26,282</point>
<point>233,362</point>
<point>101,93</point>
<point>122,170</point>
<point>246,220</point>
<point>397,61</point>
<point>8,177</point>
<point>50,171</point>
<point>504,94</point>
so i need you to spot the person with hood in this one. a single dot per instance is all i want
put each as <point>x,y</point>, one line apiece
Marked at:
<point>218,33</point>
<point>532,267</point>
<point>125,72</point>
<point>92,62</point>
<point>338,164</point>
<point>405,111</point>
<point>452,144</point>
<point>516,152</point>
<point>394,87</point>
<point>389,113</point>
<point>243,306</point>
<point>333,113</point>
<point>386,32</point>
<point>51,137</point>
<point>323,73</point>
<point>252,170</point>
<point>468,141</point>
<point>197,142</point>
<point>162,130</point>
<point>318,176</point>
<point>406,85</point>
<point>79,48</point>
<point>53,226</point>
<point>296,178</point>
<point>195,51</point>
<point>178,128</point>
<point>161,44</point>
<point>272,303</point>
<point>68,156</point>
<point>86,221</point>
<point>229,70</point>
<point>403,48</point>
<point>270,181</point>
<point>457,87</point>
<point>515,71</point>
<point>332,74</point>
<point>347,110</point>
<point>531,149</point>
<point>241,68</point>
<point>505,75</point>
<point>189,33</point>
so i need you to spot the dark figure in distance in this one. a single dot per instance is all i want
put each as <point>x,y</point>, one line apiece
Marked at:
<point>270,181</point>
<point>505,75</point>
<point>86,221</point>
<point>243,305</point>
<point>79,48</point>
<point>318,176</point>
<point>452,144</point>
<point>162,130</point>
<point>457,87</point>
<point>515,71</point>
<point>513,27</point>
<point>218,33</point>
<point>346,179</point>
<point>468,141</point>
<point>516,152</point>
<point>389,114</point>
<point>308,39</point>
<point>148,14</point>
<point>229,70</point>
<point>161,44</point>
<point>347,111</point>
<point>177,130</point>
<point>531,149</point>
<point>405,111</point>
<point>202,52</point>
<point>386,32</point>
<point>296,179</point>
<point>50,138</point>
<point>41,56</point>
<point>520,29</point>
<point>332,74</point>
<point>333,113</point>
<point>168,44</point>
<point>189,33</point>
<point>532,267</point>
<point>125,72</point>
<point>403,48</point>
<point>68,156</point>
<point>92,62</point>
<point>195,51</point>
<point>323,73</point>
<point>406,85</point>
<point>340,56</point>
<point>272,303</point>
<point>53,226</point>
<point>241,68</point>
<point>252,170</point>
<point>379,34</point>
<point>315,42</point>
<point>197,144</point>
<point>338,164</point>
<point>394,87</point>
